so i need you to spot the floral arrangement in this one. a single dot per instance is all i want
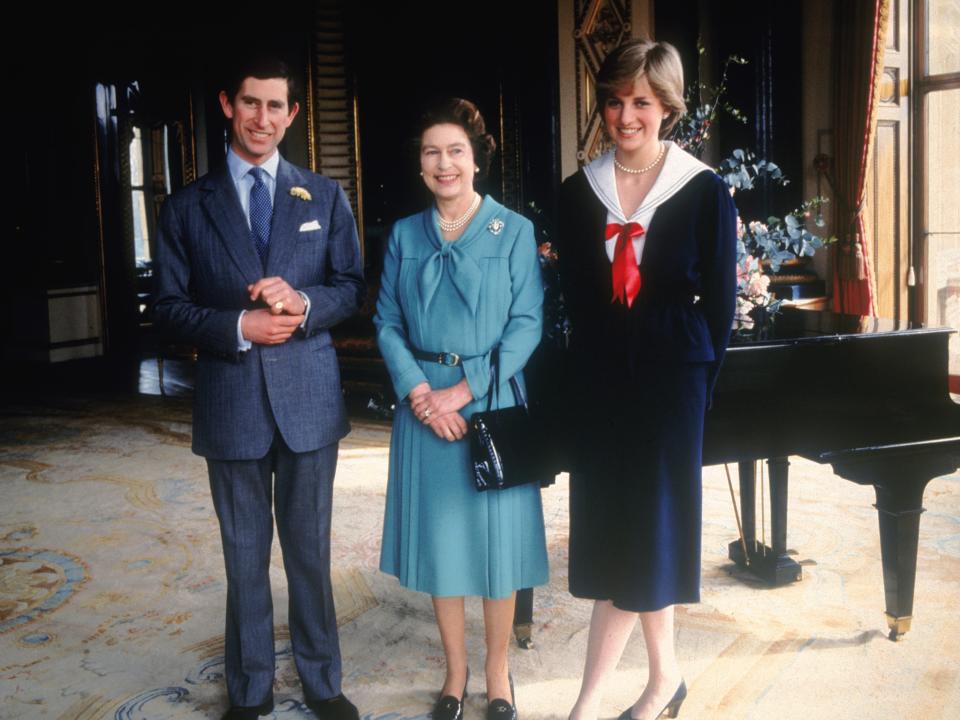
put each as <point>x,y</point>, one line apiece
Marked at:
<point>753,295</point>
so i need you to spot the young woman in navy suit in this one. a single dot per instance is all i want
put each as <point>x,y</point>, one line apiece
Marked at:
<point>648,266</point>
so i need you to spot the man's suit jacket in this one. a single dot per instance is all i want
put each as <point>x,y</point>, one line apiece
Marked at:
<point>205,259</point>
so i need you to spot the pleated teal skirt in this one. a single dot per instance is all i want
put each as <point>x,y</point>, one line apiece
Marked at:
<point>441,536</point>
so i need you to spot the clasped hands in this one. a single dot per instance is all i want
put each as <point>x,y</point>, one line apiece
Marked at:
<point>283,314</point>
<point>439,410</point>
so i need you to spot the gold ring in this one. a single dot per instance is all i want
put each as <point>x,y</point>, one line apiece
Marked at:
<point>278,304</point>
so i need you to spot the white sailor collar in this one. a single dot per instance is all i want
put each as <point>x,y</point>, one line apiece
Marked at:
<point>679,167</point>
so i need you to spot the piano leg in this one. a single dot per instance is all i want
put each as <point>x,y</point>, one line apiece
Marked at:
<point>899,507</point>
<point>899,474</point>
<point>772,564</point>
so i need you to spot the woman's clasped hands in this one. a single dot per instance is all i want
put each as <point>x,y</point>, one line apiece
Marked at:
<point>439,410</point>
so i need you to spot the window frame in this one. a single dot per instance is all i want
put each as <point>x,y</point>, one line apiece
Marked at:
<point>924,85</point>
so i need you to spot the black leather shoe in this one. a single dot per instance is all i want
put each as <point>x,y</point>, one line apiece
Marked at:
<point>450,708</point>
<point>670,710</point>
<point>500,709</point>
<point>335,708</point>
<point>249,712</point>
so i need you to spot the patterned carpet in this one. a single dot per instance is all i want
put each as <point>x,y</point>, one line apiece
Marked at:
<point>112,591</point>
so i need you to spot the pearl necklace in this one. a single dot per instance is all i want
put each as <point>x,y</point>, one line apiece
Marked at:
<point>642,170</point>
<point>452,225</point>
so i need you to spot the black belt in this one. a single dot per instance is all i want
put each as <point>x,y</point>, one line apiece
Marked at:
<point>449,359</point>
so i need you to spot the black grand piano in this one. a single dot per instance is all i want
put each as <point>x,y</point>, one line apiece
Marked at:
<point>867,396</point>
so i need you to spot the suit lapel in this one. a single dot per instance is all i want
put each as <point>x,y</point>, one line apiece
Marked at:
<point>288,214</point>
<point>223,208</point>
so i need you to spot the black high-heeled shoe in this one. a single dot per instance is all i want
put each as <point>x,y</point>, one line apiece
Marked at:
<point>450,708</point>
<point>670,710</point>
<point>500,709</point>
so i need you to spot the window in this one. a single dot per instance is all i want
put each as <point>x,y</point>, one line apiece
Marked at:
<point>141,228</point>
<point>938,155</point>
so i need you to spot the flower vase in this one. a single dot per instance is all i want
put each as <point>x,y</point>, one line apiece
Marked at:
<point>762,322</point>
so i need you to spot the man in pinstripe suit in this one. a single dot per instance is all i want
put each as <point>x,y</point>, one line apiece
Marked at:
<point>255,263</point>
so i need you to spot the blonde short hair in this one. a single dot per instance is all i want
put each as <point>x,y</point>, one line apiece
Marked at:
<point>659,62</point>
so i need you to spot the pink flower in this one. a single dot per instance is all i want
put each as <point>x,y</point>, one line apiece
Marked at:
<point>546,250</point>
<point>758,285</point>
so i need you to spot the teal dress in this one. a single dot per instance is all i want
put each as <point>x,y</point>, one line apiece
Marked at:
<point>440,535</point>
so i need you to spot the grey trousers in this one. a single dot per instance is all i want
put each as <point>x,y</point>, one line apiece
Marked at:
<point>299,488</point>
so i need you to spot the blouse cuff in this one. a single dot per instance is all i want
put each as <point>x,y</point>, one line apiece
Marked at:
<point>477,372</point>
<point>408,381</point>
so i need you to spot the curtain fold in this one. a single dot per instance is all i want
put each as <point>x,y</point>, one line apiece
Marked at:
<point>861,29</point>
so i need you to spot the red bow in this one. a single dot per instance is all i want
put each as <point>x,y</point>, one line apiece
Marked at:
<point>626,272</point>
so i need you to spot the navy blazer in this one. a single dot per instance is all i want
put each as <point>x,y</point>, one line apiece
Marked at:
<point>684,311</point>
<point>205,258</point>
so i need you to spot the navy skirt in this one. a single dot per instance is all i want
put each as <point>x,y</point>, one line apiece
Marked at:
<point>635,489</point>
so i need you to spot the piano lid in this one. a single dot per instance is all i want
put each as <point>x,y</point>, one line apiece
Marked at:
<point>793,326</point>
<point>820,382</point>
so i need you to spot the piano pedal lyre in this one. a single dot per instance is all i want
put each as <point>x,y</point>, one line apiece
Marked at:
<point>774,568</point>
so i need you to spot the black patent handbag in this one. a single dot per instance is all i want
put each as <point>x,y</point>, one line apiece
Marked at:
<point>506,449</point>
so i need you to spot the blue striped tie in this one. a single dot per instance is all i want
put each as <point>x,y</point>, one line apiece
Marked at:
<point>261,211</point>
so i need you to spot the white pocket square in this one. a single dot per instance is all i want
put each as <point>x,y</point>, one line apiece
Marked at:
<point>308,226</point>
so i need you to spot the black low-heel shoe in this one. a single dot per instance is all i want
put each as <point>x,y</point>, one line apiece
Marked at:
<point>500,709</point>
<point>335,708</point>
<point>670,710</point>
<point>450,708</point>
<point>249,712</point>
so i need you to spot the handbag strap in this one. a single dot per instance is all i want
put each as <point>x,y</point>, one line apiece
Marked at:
<point>494,387</point>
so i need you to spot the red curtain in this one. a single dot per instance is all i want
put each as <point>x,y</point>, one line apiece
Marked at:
<point>861,29</point>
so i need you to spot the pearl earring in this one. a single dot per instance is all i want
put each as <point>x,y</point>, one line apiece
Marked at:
<point>476,168</point>
<point>421,173</point>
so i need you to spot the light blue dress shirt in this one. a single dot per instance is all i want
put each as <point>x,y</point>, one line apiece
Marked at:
<point>239,170</point>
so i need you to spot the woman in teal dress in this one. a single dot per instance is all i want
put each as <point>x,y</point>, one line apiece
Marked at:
<point>459,279</point>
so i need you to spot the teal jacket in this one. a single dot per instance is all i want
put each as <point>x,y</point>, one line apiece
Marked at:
<point>466,296</point>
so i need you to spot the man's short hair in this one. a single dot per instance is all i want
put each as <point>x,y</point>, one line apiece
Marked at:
<point>262,67</point>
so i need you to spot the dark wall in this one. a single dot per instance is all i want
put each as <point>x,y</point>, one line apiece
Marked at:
<point>767,89</point>
<point>503,58</point>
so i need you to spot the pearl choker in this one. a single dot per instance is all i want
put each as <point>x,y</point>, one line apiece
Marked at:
<point>452,225</point>
<point>640,171</point>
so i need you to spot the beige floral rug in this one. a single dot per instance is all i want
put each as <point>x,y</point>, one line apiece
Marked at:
<point>112,592</point>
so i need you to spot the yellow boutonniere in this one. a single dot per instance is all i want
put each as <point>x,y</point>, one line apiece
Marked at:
<point>302,193</point>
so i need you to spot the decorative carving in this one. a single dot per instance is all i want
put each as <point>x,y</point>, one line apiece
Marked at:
<point>889,86</point>
<point>600,25</point>
<point>608,30</point>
